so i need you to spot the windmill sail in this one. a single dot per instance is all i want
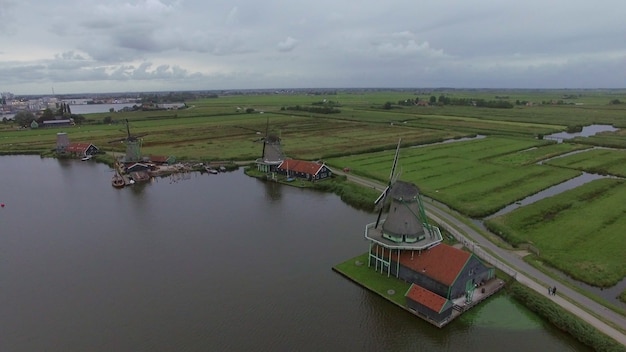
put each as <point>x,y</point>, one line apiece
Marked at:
<point>380,201</point>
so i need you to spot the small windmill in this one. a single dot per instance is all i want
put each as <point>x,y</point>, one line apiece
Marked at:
<point>133,145</point>
<point>406,221</point>
<point>272,155</point>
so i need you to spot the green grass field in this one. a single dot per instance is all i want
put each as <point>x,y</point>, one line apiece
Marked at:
<point>599,161</point>
<point>580,232</point>
<point>462,174</point>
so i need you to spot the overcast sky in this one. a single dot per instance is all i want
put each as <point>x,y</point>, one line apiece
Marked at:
<point>75,46</point>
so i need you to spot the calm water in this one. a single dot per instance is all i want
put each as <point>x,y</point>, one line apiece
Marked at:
<point>587,131</point>
<point>210,263</point>
<point>95,108</point>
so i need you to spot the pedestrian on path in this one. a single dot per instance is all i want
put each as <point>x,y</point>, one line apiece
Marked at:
<point>554,291</point>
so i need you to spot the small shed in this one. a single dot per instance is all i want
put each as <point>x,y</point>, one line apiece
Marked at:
<point>428,304</point>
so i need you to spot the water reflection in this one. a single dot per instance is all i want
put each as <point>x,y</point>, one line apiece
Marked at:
<point>272,190</point>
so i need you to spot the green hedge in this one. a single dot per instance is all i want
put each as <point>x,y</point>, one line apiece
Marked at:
<point>564,320</point>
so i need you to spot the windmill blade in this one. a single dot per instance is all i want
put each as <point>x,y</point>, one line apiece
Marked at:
<point>265,139</point>
<point>382,196</point>
<point>378,218</point>
<point>395,160</point>
<point>396,176</point>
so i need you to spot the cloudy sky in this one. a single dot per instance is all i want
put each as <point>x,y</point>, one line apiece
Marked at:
<point>75,46</point>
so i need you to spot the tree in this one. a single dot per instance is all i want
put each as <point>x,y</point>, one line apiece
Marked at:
<point>79,119</point>
<point>387,105</point>
<point>107,120</point>
<point>24,118</point>
<point>47,115</point>
<point>433,99</point>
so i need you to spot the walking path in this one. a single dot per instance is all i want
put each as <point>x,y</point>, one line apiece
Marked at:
<point>572,301</point>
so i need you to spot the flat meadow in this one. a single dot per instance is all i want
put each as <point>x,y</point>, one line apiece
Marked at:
<point>462,174</point>
<point>580,232</point>
<point>600,161</point>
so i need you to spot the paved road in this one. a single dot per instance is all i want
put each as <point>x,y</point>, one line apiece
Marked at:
<point>570,300</point>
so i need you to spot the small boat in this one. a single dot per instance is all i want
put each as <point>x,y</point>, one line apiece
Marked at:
<point>118,181</point>
<point>222,169</point>
<point>210,170</point>
<point>87,157</point>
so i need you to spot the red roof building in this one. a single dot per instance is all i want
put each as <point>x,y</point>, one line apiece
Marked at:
<point>304,169</point>
<point>81,149</point>
<point>442,263</point>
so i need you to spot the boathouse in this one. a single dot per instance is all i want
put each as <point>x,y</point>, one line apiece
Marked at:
<point>308,170</point>
<point>429,304</point>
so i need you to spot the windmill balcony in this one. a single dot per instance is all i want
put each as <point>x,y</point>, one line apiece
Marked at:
<point>405,242</point>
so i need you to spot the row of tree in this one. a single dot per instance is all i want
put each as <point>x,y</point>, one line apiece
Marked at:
<point>313,109</point>
<point>24,118</point>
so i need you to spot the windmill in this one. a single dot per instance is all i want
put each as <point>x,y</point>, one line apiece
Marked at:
<point>406,221</point>
<point>272,155</point>
<point>133,145</point>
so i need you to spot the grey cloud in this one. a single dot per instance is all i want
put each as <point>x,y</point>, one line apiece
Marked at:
<point>287,45</point>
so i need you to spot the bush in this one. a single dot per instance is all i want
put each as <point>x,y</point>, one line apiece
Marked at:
<point>563,319</point>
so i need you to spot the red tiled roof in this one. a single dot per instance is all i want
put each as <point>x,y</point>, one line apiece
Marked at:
<point>77,147</point>
<point>159,158</point>
<point>442,262</point>
<point>427,298</point>
<point>305,167</point>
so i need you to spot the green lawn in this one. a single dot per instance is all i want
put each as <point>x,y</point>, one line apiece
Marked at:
<point>580,232</point>
<point>462,174</point>
<point>357,270</point>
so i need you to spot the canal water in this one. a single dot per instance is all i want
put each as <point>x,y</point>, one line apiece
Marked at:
<point>80,109</point>
<point>206,263</point>
<point>587,131</point>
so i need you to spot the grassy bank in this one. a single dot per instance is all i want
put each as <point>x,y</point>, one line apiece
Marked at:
<point>356,269</point>
<point>563,320</point>
<point>352,194</point>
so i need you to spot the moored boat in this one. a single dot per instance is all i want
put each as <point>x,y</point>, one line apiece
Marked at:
<point>118,181</point>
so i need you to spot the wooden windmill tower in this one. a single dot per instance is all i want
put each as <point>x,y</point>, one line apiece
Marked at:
<point>272,155</point>
<point>406,226</point>
<point>133,145</point>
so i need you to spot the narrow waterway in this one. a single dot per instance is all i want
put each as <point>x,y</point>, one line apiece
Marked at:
<point>587,131</point>
<point>549,192</point>
<point>206,262</point>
